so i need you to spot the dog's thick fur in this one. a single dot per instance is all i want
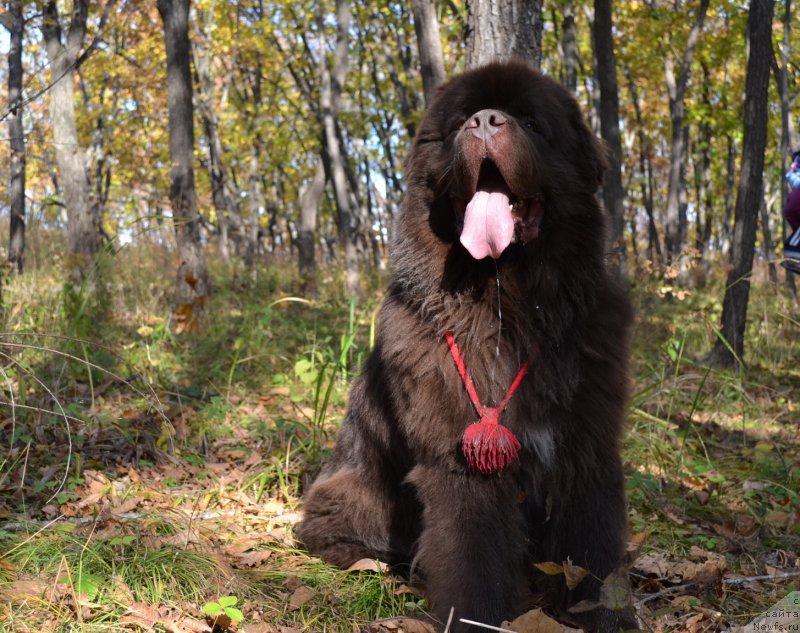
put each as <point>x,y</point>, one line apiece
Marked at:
<point>397,487</point>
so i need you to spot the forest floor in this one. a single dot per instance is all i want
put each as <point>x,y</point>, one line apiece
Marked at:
<point>150,479</point>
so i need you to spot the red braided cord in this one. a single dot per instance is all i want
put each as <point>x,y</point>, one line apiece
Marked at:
<point>465,378</point>
<point>462,371</point>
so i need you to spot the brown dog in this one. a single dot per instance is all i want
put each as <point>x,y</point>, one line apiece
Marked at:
<point>483,435</point>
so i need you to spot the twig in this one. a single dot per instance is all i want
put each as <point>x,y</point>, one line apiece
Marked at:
<point>662,593</point>
<point>485,626</point>
<point>745,579</point>
<point>449,620</point>
<point>740,580</point>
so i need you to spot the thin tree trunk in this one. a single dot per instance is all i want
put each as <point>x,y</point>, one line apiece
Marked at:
<point>729,350</point>
<point>646,176</point>
<point>766,235</point>
<point>613,191</point>
<point>431,59</point>
<point>83,230</point>
<point>331,85</point>
<point>786,141</point>
<point>220,190</point>
<point>310,198</point>
<point>702,166</point>
<point>193,288</point>
<point>676,88</point>
<point>16,186</point>
<point>569,47</point>
<point>501,30</point>
<point>255,203</point>
<point>730,179</point>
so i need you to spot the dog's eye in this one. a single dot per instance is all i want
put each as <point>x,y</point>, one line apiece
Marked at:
<point>531,125</point>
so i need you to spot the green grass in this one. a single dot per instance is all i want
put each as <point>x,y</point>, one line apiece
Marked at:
<point>145,466</point>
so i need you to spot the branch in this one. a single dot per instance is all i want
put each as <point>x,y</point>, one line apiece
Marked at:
<point>70,68</point>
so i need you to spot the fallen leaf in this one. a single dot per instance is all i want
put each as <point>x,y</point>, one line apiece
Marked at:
<point>574,574</point>
<point>778,519</point>
<point>251,559</point>
<point>615,592</point>
<point>141,615</point>
<point>405,589</point>
<point>550,568</point>
<point>536,621</point>
<point>126,506</point>
<point>399,625</point>
<point>368,564</point>
<point>22,590</point>
<point>89,500</point>
<point>258,627</point>
<point>300,596</point>
<point>681,571</point>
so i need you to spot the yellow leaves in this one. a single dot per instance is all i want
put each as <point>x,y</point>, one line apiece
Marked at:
<point>572,573</point>
<point>187,315</point>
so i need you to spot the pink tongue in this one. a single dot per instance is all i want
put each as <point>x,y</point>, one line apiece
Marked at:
<point>488,225</point>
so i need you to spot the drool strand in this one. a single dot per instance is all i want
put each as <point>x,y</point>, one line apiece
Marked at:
<point>499,312</point>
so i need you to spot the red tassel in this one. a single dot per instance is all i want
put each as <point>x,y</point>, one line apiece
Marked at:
<point>487,445</point>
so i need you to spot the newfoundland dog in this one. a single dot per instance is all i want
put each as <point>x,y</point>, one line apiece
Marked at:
<point>483,436</point>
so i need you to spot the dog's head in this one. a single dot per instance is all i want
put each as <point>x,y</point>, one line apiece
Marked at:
<point>502,156</point>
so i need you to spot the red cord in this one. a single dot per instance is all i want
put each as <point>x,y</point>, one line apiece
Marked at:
<point>470,386</point>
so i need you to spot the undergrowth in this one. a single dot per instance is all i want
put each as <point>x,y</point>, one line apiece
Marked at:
<point>144,467</point>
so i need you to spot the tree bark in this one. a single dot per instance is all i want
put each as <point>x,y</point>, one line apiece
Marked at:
<point>331,85</point>
<point>704,200</point>
<point>646,180</point>
<point>431,59</point>
<point>83,230</point>
<point>501,30</point>
<point>220,189</point>
<point>569,47</point>
<point>306,235</point>
<point>786,141</point>
<point>613,191</point>
<point>728,350</point>
<point>676,88</point>
<point>16,186</point>
<point>766,236</point>
<point>192,283</point>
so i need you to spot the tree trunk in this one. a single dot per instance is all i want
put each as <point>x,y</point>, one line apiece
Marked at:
<point>310,198</point>
<point>569,47</point>
<point>786,141</point>
<point>255,200</point>
<point>220,190</point>
<point>645,176</point>
<point>729,349</point>
<point>702,172</point>
<point>431,59</point>
<point>192,284</point>
<point>331,85</point>
<point>613,191</point>
<point>766,236</point>
<point>16,186</point>
<point>83,230</point>
<point>500,30</point>
<point>676,88</point>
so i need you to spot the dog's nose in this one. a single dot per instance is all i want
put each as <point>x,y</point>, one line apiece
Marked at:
<point>486,123</point>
